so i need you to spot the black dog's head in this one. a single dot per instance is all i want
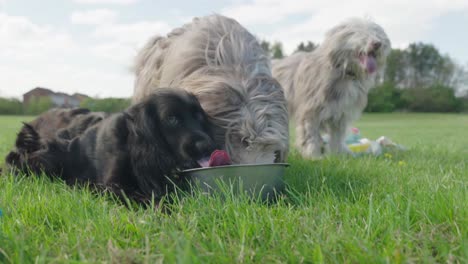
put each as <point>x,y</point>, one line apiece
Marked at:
<point>176,121</point>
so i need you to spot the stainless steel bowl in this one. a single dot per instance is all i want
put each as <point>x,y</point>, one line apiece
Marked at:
<point>257,180</point>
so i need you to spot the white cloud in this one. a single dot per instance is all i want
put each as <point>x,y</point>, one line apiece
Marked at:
<point>115,52</point>
<point>405,21</point>
<point>120,42</point>
<point>267,11</point>
<point>93,17</point>
<point>35,55</point>
<point>131,33</point>
<point>117,42</point>
<point>117,2</point>
<point>95,64</point>
<point>20,38</point>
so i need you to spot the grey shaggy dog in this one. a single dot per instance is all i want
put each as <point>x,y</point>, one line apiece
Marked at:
<point>327,88</point>
<point>224,66</point>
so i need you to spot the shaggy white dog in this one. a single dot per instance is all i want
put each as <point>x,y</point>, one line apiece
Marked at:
<point>219,61</point>
<point>327,88</point>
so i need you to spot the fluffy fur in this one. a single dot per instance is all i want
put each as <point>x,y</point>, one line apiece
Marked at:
<point>67,123</point>
<point>134,152</point>
<point>327,88</point>
<point>219,61</point>
<point>49,131</point>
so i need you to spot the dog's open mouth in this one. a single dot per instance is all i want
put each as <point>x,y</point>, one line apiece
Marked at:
<point>369,61</point>
<point>217,158</point>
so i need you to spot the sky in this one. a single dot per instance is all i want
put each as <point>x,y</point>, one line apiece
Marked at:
<point>88,46</point>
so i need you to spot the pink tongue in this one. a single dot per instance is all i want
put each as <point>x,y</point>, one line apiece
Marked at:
<point>219,158</point>
<point>371,64</point>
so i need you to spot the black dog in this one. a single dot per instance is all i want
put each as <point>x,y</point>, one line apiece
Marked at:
<point>136,151</point>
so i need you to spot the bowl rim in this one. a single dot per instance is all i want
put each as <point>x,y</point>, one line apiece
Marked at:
<point>236,166</point>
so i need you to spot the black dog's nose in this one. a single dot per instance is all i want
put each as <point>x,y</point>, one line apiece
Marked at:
<point>376,45</point>
<point>204,147</point>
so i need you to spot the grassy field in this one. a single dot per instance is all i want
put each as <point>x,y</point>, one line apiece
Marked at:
<point>401,207</point>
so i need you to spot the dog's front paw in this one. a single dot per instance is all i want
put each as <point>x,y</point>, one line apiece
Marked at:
<point>311,151</point>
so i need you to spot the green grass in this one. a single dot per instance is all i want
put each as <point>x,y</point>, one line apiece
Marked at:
<point>405,207</point>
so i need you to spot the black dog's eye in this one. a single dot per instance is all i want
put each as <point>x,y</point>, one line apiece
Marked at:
<point>172,121</point>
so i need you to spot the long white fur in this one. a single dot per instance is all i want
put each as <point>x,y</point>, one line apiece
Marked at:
<point>219,61</point>
<point>327,88</point>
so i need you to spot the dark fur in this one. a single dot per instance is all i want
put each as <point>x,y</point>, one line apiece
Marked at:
<point>77,119</point>
<point>136,151</point>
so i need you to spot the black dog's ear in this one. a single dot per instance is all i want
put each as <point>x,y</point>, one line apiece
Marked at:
<point>151,160</point>
<point>28,139</point>
<point>13,158</point>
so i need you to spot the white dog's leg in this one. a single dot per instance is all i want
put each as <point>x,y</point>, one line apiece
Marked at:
<point>308,140</point>
<point>337,138</point>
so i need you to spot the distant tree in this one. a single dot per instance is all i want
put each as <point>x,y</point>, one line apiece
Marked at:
<point>464,101</point>
<point>426,66</point>
<point>384,98</point>
<point>395,71</point>
<point>300,47</point>
<point>277,50</point>
<point>422,65</point>
<point>460,79</point>
<point>265,45</point>
<point>38,105</point>
<point>436,98</point>
<point>274,50</point>
<point>310,46</point>
<point>421,79</point>
<point>109,105</point>
<point>10,106</point>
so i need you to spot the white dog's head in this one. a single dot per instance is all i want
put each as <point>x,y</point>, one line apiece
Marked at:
<point>357,48</point>
<point>252,114</point>
<point>260,133</point>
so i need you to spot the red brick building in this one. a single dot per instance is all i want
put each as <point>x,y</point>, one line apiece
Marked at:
<point>57,99</point>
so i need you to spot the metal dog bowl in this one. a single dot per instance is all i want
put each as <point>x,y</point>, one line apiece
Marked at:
<point>257,180</point>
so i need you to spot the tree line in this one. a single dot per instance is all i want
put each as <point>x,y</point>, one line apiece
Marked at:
<point>11,106</point>
<point>420,79</point>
